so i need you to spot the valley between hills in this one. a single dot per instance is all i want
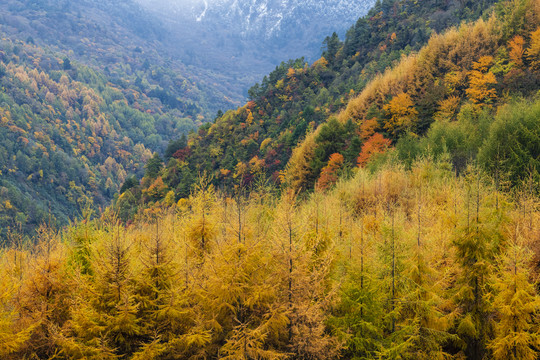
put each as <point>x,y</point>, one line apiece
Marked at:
<point>375,197</point>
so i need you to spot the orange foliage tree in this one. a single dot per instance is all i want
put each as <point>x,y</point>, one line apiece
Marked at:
<point>376,144</point>
<point>368,128</point>
<point>481,82</point>
<point>516,50</point>
<point>157,190</point>
<point>330,173</point>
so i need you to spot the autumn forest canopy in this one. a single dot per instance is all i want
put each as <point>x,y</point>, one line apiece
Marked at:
<point>382,202</point>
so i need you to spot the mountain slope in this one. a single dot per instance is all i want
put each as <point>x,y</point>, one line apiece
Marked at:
<point>442,101</point>
<point>266,19</point>
<point>123,40</point>
<point>69,136</point>
<point>257,139</point>
<point>246,39</point>
<point>90,90</point>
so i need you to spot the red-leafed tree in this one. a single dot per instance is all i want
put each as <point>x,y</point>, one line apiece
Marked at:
<point>330,173</point>
<point>376,144</point>
<point>182,154</point>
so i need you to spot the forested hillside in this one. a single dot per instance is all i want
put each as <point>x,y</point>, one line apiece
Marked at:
<point>381,203</point>
<point>445,98</point>
<point>124,41</point>
<point>89,90</point>
<point>85,101</point>
<point>296,98</point>
<point>69,136</point>
<point>87,95</point>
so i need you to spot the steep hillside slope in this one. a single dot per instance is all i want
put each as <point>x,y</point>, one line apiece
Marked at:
<point>123,40</point>
<point>450,91</point>
<point>69,137</point>
<point>256,140</point>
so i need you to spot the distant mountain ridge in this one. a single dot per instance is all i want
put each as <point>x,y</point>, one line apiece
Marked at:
<point>244,40</point>
<point>268,18</point>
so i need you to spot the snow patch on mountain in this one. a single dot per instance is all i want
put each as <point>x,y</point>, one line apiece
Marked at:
<point>201,16</point>
<point>266,18</point>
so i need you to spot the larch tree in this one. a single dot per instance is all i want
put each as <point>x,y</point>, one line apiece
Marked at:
<point>163,302</point>
<point>356,316</point>
<point>13,334</point>
<point>402,114</point>
<point>482,82</point>
<point>423,329</point>
<point>476,243</point>
<point>517,306</point>
<point>44,294</point>
<point>533,51</point>
<point>107,311</point>
<point>203,225</point>
<point>304,273</point>
<point>392,253</point>
<point>298,172</point>
<point>242,298</point>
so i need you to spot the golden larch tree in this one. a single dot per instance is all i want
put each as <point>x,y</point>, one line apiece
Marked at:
<point>402,114</point>
<point>481,82</point>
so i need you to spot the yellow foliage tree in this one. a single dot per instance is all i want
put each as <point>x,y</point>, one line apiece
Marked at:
<point>11,338</point>
<point>291,73</point>
<point>202,225</point>
<point>481,82</point>
<point>517,305</point>
<point>533,52</point>
<point>516,50</point>
<point>322,63</point>
<point>448,109</point>
<point>402,114</point>
<point>298,169</point>
<point>368,128</point>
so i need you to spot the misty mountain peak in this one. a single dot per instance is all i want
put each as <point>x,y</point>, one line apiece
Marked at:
<point>265,18</point>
